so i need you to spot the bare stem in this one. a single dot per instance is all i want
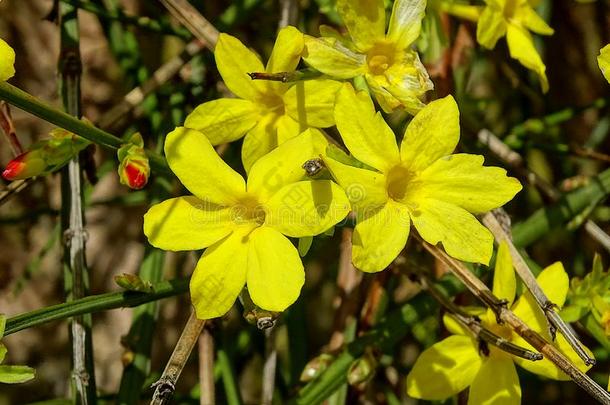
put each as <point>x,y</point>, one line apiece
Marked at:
<point>166,385</point>
<point>269,367</point>
<point>6,122</point>
<point>286,77</point>
<point>206,368</point>
<point>192,19</point>
<point>289,13</point>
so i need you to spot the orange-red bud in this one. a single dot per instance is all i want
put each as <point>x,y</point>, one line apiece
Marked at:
<point>26,165</point>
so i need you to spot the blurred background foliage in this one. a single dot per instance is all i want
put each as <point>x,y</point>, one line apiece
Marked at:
<point>120,52</point>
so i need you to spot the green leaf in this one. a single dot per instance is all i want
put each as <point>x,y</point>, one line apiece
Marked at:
<point>16,374</point>
<point>304,245</point>
<point>572,313</point>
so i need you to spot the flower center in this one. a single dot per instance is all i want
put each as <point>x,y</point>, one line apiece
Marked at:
<point>272,102</point>
<point>248,210</point>
<point>510,8</point>
<point>397,182</point>
<point>380,57</point>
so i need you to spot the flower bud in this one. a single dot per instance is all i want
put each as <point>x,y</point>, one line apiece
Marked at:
<point>28,164</point>
<point>134,169</point>
<point>361,370</point>
<point>316,366</point>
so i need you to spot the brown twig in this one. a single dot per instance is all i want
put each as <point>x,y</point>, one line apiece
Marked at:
<point>503,314</point>
<point>166,385</point>
<point>206,368</point>
<point>6,122</point>
<point>192,19</point>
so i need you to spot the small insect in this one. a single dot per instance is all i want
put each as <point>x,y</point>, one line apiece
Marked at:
<point>313,166</point>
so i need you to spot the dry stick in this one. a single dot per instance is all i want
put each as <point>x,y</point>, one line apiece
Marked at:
<point>166,385</point>
<point>525,273</point>
<point>480,290</point>
<point>269,367</point>
<point>188,16</point>
<point>73,226</point>
<point>474,324</point>
<point>206,368</point>
<point>515,161</point>
<point>289,12</point>
<point>6,122</point>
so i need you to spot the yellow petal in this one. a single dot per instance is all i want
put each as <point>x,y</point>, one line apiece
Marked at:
<point>533,21</point>
<point>283,165</point>
<point>364,131</point>
<point>287,128</point>
<point>285,55</point>
<point>380,235</point>
<point>496,383</point>
<point>432,134</point>
<point>603,60</point>
<point>260,140</point>
<point>7,61</point>
<point>311,102</point>
<point>444,369</point>
<point>234,61</point>
<point>364,19</point>
<point>220,275</point>
<point>521,47</point>
<point>275,271</point>
<point>386,100</point>
<point>306,208</point>
<point>405,21</point>
<point>491,27</point>
<point>287,50</point>
<point>466,12</point>
<point>186,223</point>
<point>364,188</point>
<point>505,282</point>
<point>461,179</point>
<point>455,327</point>
<point>223,120</point>
<point>331,57</point>
<point>193,159</point>
<point>462,236</point>
<point>555,283</point>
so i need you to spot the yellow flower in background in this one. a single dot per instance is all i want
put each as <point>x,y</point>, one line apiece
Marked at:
<point>7,61</point>
<point>422,182</point>
<point>603,60</point>
<point>267,113</point>
<point>457,362</point>
<point>244,225</point>
<point>515,18</point>
<point>392,70</point>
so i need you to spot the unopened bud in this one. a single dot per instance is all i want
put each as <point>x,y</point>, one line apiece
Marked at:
<point>28,164</point>
<point>361,370</point>
<point>316,366</point>
<point>134,169</point>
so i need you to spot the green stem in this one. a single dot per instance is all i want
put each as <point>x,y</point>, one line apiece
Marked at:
<point>31,104</point>
<point>228,378</point>
<point>95,303</point>
<point>568,207</point>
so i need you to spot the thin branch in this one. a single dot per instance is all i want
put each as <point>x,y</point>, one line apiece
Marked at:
<point>13,188</point>
<point>6,122</point>
<point>206,368</point>
<point>525,273</point>
<point>188,16</point>
<point>166,385</point>
<point>480,290</point>
<point>76,272</point>
<point>286,77</point>
<point>269,367</point>
<point>516,162</point>
<point>289,12</point>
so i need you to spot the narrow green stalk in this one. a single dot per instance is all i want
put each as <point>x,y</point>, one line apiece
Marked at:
<point>31,104</point>
<point>145,23</point>
<point>385,335</point>
<point>228,378</point>
<point>95,303</point>
<point>568,207</point>
<point>140,337</point>
<point>76,273</point>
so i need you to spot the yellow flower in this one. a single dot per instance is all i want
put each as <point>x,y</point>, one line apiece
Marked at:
<point>244,225</point>
<point>7,61</point>
<point>422,182</point>
<point>603,60</point>
<point>267,113</point>
<point>392,70</point>
<point>457,362</point>
<point>515,18</point>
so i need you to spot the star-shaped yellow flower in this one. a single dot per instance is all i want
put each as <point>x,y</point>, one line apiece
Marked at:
<point>515,18</point>
<point>422,182</point>
<point>456,362</point>
<point>267,113</point>
<point>244,225</point>
<point>7,61</point>
<point>392,70</point>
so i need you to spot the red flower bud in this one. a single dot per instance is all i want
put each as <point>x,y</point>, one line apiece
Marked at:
<point>135,175</point>
<point>28,164</point>
<point>133,168</point>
